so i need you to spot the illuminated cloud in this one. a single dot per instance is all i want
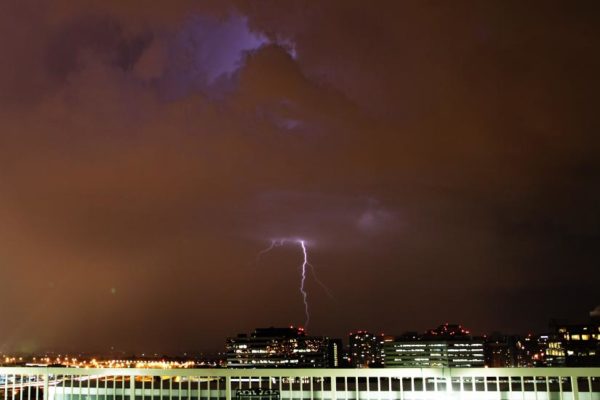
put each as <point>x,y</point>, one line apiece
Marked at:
<point>205,50</point>
<point>323,219</point>
<point>375,219</point>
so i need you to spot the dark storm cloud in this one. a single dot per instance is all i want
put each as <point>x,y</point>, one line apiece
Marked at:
<point>444,153</point>
<point>102,37</point>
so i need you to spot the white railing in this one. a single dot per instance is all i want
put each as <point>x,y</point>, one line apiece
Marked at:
<point>39,383</point>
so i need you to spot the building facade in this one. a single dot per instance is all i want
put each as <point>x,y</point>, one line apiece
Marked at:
<point>578,344</point>
<point>282,348</point>
<point>299,384</point>
<point>531,350</point>
<point>448,346</point>
<point>500,351</point>
<point>365,350</point>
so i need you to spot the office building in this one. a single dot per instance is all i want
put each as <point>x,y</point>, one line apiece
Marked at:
<point>445,346</point>
<point>500,351</point>
<point>282,347</point>
<point>531,351</point>
<point>365,349</point>
<point>579,344</point>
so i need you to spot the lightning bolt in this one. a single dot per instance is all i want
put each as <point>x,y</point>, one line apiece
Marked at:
<point>303,270</point>
<point>274,243</point>
<point>302,281</point>
<point>316,278</point>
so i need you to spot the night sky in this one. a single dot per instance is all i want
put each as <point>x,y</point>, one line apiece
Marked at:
<point>441,159</point>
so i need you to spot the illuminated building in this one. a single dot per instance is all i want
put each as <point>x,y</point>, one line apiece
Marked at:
<point>365,350</point>
<point>555,353</point>
<point>335,353</point>
<point>282,348</point>
<point>446,346</point>
<point>531,350</point>
<point>298,384</point>
<point>579,344</point>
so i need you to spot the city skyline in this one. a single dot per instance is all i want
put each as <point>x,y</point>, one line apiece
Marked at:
<point>198,352</point>
<point>405,163</point>
<point>446,346</point>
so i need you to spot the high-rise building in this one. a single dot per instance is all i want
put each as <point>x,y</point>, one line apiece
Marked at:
<point>554,355</point>
<point>365,349</point>
<point>282,347</point>
<point>446,346</point>
<point>335,350</point>
<point>578,343</point>
<point>500,351</point>
<point>531,350</point>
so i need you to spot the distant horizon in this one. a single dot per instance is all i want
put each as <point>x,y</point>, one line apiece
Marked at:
<point>213,353</point>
